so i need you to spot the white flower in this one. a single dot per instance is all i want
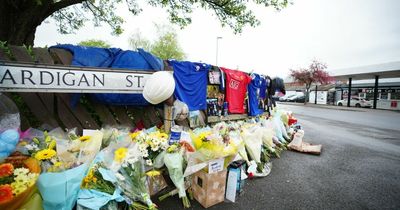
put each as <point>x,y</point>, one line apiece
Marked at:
<point>21,171</point>
<point>125,164</point>
<point>149,162</point>
<point>156,141</point>
<point>164,145</point>
<point>155,148</point>
<point>33,176</point>
<point>143,146</point>
<point>145,153</point>
<point>29,147</point>
<point>119,176</point>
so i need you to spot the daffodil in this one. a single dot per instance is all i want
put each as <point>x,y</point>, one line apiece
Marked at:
<point>84,138</point>
<point>120,154</point>
<point>134,135</point>
<point>45,154</point>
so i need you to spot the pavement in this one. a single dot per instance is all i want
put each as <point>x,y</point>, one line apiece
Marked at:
<point>359,167</point>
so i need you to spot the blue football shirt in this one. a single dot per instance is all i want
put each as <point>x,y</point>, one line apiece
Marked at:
<point>191,83</point>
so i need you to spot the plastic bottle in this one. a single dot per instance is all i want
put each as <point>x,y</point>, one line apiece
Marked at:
<point>175,135</point>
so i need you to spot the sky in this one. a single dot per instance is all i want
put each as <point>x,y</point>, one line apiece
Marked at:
<point>340,33</point>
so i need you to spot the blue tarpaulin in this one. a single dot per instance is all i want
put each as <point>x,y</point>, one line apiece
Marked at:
<point>113,58</point>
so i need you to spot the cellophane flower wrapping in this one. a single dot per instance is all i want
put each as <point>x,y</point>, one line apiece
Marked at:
<point>97,187</point>
<point>124,160</point>
<point>252,137</point>
<point>151,143</point>
<point>221,141</point>
<point>174,163</point>
<point>60,190</point>
<point>65,161</point>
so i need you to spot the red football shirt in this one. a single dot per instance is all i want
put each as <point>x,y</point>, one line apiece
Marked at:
<point>236,88</point>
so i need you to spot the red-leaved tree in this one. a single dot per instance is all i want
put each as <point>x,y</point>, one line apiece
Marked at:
<point>314,74</point>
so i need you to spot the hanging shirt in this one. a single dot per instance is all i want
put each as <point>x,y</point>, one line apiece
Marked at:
<point>254,89</point>
<point>263,88</point>
<point>191,83</point>
<point>236,88</point>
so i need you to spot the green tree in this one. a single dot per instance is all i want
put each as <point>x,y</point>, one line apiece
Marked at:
<point>95,43</point>
<point>20,18</point>
<point>165,46</point>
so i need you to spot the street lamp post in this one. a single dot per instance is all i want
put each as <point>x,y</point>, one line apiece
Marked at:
<point>216,53</point>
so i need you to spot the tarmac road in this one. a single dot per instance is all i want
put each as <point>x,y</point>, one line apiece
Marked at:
<point>359,167</point>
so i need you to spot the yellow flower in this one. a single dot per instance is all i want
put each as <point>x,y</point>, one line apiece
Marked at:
<point>94,179</point>
<point>153,173</point>
<point>45,154</point>
<point>87,179</point>
<point>172,148</point>
<point>133,135</point>
<point>58,164</point>
<point>162,135</point>
<point>120,154</point>
<point>52,144</point>
<point>84,138</point>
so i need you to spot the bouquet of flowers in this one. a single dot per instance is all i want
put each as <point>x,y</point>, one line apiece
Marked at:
<point>150,144</point>
<point>98,189</point>
<point>174,161</point>
<point>127,165</point>
<point>17,183</point>
<point>210,144</point>
<point>64,159</point>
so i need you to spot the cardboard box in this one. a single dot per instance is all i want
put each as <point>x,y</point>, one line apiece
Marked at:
<point>209,189</point>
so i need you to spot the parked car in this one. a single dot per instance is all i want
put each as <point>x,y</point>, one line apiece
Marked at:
<point>291,96</point>
<point>298,99</point>
<point>295,97</point>
<point>355,101</point>
<point>285,97</point>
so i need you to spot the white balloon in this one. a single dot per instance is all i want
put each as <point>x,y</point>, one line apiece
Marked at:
<point>159,87</point>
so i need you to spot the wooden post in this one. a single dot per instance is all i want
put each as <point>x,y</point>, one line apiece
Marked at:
<point>167,118</point>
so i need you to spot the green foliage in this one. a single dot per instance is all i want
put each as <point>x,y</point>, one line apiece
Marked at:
<point>94,43</point>
<point>234,14</point>
<point>84,100</point>
<point>4,47</point>
<point>29,49</point>
<point>166,45</point>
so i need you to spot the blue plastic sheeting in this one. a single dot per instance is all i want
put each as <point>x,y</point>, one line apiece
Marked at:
<point>191,83</point>
<point>113,58</point>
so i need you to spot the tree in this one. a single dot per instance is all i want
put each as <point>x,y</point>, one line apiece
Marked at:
<point>136,40</point>
<point>20,18</point>
<point>95,43</point>
<point>314,74</point>
<point>165,46</point>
